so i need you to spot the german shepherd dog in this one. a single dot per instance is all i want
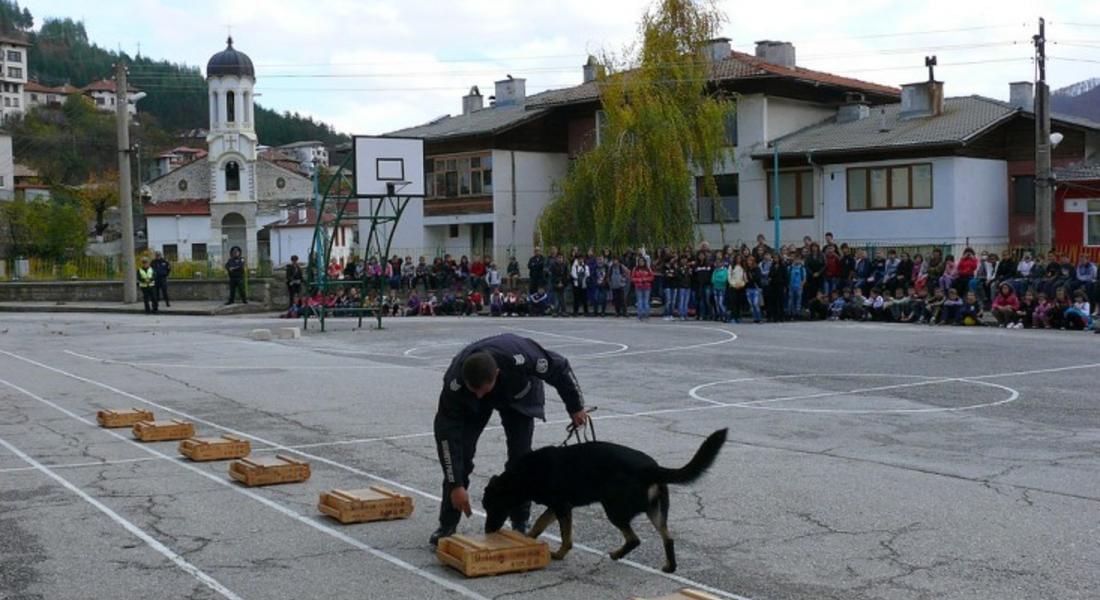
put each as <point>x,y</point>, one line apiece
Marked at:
<point>625,481</point>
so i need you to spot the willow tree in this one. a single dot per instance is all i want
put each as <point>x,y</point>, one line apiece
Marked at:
<point>661,126</point>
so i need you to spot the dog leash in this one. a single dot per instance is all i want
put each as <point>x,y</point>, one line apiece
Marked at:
<point>581,434</point>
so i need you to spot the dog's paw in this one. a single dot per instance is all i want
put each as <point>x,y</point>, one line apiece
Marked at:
<point>668,568</point>
<point>616,555</point>
<point>559,554</point>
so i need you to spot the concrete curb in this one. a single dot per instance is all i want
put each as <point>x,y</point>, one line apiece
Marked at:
<point>139,310</point>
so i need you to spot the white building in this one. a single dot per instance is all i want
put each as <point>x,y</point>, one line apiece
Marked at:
<point>36,94</point>
<point>7,168</point>
<point>13,74</point>
<point>307,153</point>
<point>207,207</point>
<point>103,94</point>
<point>292,235</point>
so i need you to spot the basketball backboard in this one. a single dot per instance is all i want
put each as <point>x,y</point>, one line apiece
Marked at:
<point>388,166</point>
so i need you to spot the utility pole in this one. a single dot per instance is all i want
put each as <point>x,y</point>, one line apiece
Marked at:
<point>125,195</point>
<point>1043,179</point>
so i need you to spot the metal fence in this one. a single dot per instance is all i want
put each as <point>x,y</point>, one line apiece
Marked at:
<point>107,268</point>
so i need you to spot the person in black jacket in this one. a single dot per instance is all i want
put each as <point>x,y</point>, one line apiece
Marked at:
<point>235,268</point>
<point>536,265</point>
<point>161,269</point>
<point>504,373</point>
<point>294,279</point>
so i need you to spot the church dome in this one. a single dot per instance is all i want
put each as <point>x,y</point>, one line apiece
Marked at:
<point>230,62</point>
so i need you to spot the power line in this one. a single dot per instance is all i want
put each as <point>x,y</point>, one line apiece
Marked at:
<point>1083,60</point>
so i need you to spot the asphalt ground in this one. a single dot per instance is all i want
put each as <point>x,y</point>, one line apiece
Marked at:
<point>864,460</point>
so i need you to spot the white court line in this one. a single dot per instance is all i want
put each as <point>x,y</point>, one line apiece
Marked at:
<point>466,592</point>
<point>622,347</point>
<point>350,469</point>
<point>149,540</point>
<point>100,463</point>
<point>111,361</point>
<point>623,350</point>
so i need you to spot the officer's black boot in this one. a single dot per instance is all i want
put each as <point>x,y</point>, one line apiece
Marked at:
<point>448,518</point>
<point>442,532</point>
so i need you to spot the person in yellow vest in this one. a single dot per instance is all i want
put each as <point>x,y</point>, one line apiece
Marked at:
<point>146,282</point>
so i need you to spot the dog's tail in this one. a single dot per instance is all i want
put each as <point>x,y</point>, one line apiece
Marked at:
<point>699,463</point>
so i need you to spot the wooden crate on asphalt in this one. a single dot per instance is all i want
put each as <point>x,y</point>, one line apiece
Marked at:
<point>503,552</point>
<point>375,503</point>
<point>163,431</point>
<point>264,470</point>
<point>684,594</point>
<point>122,418</point>
<point>210,448</point>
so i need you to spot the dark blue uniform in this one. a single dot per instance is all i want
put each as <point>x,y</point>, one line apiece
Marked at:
<point>519,398</point>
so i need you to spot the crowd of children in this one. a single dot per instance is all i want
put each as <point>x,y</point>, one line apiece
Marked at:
<point>826,281</point>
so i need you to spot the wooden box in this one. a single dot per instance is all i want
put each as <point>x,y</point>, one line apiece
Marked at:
<point>375,503</point>
<point>503,552</point>
<point>684,594</point>
<point>219,448</point>
<point>266,470</point>
<point>163,431</point>
<point>122,418</point>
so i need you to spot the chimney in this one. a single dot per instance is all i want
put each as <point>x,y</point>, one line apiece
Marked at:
<point>717,49</point>
<point>284,212</point>
<point>924,99</point>
<point>1021,94</point>
<point>593,70</point>
<point>855,107</point>
<point>472,101</point>
<point>776,53</point>
<point>302,218</point>
<point>511,91</point>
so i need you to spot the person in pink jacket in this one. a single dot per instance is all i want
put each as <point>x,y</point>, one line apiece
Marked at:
<point>1006,306</point>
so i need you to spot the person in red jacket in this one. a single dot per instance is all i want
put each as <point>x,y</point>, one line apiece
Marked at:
<point>1006,306</point>
<point>833,270</point>
<point>642,278</point>
<point>477,275</point>
<point>964,271</point>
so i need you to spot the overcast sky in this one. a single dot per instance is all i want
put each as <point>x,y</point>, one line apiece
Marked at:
<point>371,66</point>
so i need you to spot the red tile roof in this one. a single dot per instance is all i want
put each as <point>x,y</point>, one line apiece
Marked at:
<point>106,85</point>
<point>311,217</point>
<point>170,208</point>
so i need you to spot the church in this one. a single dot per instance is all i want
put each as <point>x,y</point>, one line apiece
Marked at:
<point>235,195</point>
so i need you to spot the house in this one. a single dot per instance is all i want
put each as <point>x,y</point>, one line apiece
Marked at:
<point>103,93</point>
<point>13,74</point>
<point>490,171</point>
<point>292,235</point>
<point>35,94</point>
<point>177,157</point>
<point>928,170</point>
<point>530,141</point>
<point>7,168</point>
<point>1077,207</point>
<point>204,208</point>
<point>308,154</point>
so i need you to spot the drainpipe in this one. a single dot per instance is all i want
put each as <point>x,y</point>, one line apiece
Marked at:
<point>775,191</point>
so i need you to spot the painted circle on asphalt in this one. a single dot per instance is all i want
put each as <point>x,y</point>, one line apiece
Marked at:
<point>921,380</point>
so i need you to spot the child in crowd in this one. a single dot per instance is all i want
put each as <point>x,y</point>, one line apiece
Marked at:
<point>855,306</point>
<point>898,306</point>
<point>474,303</point>
<point>510,302</point>
<point>513,272</point>
<point>538,302</point>
<point>412,307</point>
<point>1006,306</point>
<point>877,306</point>
<point>1078,317</point>
<point>948,278</point>
<point>952,308</point>
<point>1026,312</point>
<point>819,306</point>
<point>1058,311</point>
<point>933,312</point>
<point>971,312</point>
<point>837,303</point>
<point>496,303</point>
<point>1043,308</point>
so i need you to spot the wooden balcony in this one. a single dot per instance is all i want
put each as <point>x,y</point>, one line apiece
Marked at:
<point>467,205</point>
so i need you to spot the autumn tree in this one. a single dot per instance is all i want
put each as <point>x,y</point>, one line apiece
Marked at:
<point>661,127</point>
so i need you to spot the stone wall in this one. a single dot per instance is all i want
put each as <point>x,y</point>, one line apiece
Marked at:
<point>271,292</point>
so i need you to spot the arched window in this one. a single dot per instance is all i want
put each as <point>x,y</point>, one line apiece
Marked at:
<point>232,177</point>
<point>230,107</point>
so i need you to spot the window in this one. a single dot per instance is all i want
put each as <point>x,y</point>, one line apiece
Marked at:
<point>15,102</point>
<point>1092,223</point>
<point>460,176</point>
<point>99,101</point>
<point>796,194</point>
<point>182,185</point>
<point>727,209</point>
<point>34,97</point>
<point>280,183</point>
<point>198,252</point>
<point>730,125</point>
<point>452,231</point>
<point>1,181</point>
<point>601,125</point>
<point>15,72</point>
<point>1023,195</point>
<point>171,252</point>
<point>890,188</point>
<point>230,107</point>
<point>15,56</point>
<point>7,102</point>
<point>232,177</point>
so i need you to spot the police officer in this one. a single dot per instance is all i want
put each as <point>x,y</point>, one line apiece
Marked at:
<point>145,279</point>
<point>161,270</point>
<point>235,267</point>
<point>503,373</point>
